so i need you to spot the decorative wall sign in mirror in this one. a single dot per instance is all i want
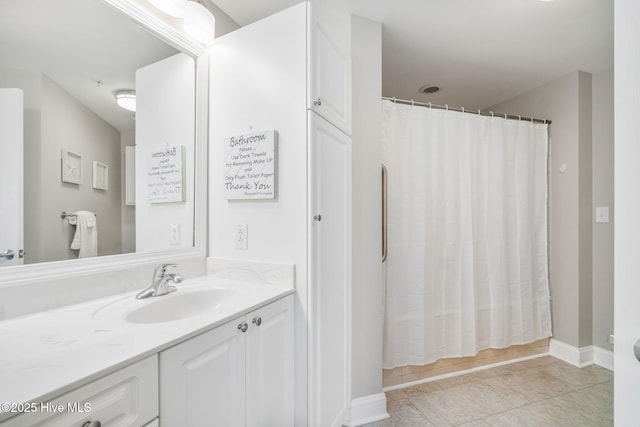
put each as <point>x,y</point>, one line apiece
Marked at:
<point>70,58</point>
<point>71,167</point>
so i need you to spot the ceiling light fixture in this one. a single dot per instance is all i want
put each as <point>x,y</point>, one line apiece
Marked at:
<point>175,8</point>
<point>126,99</point>
<point>199,22</point>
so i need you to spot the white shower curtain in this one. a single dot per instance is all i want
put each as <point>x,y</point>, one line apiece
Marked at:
<point>467,234</point>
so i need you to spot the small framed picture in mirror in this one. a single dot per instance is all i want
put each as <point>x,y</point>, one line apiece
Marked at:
<point>71,167</point>
<point>100,176</point>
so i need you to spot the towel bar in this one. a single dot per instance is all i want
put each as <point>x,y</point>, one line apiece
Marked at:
<point>64,214</point>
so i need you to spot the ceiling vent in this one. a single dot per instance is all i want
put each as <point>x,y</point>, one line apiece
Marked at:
<point>429,89</point>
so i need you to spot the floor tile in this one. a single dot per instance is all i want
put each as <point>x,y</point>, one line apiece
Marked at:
<point>536,392</point>
<point>578,377</point>
<point>547,413</point>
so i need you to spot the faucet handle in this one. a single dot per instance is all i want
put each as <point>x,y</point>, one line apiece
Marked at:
<point>162,269</point>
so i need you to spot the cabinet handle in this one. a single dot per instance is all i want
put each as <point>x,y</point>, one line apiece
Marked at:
<point>92,424</point>
<point>242,326</point>
<point>257,321</point>
<point>317,102</point>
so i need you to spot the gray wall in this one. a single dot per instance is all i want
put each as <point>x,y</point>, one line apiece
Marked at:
<point>67,123</point>
<point>367,320</point>
<point>566,101</point>
<point>603,196</point>
<point>53,120</point>
<point>581,107</point>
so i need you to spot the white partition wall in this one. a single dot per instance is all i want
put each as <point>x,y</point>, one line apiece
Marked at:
<point>164,118</point>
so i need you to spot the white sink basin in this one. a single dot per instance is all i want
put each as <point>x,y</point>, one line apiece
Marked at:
<point>177,305</point>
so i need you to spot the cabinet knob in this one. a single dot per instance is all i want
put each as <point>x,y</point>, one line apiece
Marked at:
<point>317,217</point>
<point>242,326</point>
<point>92,424</point>
<point>257,321</point>
<point>317,102</point>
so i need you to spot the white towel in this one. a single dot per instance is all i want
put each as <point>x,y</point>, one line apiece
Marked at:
<point>86,237</point>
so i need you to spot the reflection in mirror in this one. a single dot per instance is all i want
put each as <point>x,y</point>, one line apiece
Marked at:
<point>65,144</point>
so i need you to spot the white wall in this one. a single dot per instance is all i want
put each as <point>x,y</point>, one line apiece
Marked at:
<point>603,196</point>
<point>366,50</point>
<point>165,116</point>
<point>627,230</point>
<point>258,82</point>
<point>566,101</point>
<point>127,138</point>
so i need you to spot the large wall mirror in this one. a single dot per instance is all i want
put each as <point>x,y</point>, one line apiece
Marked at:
<point>83,175</point>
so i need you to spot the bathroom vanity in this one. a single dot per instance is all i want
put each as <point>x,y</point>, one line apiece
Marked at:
<point>216,351</point>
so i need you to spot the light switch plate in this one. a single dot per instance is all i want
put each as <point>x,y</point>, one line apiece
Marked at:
<point>602,214</point>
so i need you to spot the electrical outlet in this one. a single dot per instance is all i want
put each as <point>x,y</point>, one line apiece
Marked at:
<point>242,236</point>
<point>174,234</point>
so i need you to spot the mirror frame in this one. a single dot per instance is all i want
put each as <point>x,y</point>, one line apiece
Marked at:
<point>141,13</point>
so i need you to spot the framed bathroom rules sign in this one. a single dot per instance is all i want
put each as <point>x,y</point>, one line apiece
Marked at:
<point>250,166</point>
<point>166,175</point>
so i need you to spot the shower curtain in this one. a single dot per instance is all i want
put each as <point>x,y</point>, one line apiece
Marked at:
<point>467,234</point>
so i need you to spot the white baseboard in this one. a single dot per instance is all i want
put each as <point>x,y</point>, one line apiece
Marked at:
<point>602,357</point>
<point>581,357</point>
<point>368,409</point>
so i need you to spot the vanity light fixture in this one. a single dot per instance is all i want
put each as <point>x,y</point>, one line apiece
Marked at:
<point>175,8</point>
<point>199,22</point>
<point>126,99</point>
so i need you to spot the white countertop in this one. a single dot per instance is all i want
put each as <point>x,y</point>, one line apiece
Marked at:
<point>50,353</point>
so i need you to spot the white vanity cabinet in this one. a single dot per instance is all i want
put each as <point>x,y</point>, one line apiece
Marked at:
<point>238,374</point>
<point>126,398</point>
<point>330,75</point>
<point>291,72</point>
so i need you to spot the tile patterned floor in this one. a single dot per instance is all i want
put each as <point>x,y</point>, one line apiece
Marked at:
<point>541,392</point>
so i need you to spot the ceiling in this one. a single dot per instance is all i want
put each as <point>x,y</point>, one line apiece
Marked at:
<point>77,43</point>
<point>480,52</point>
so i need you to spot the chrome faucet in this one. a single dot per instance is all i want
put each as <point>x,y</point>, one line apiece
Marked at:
<point>160,284</point>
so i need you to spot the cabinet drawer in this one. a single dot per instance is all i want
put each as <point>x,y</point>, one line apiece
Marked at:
<point>128,397</point>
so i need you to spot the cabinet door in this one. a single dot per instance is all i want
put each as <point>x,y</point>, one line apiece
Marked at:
<point>270,365</point>
<point>330,287</point>
<point>126,398</point>
<point>202,380</point>
<point>330,76</point>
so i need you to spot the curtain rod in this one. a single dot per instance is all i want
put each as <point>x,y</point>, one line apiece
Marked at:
<point>464,110</point>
